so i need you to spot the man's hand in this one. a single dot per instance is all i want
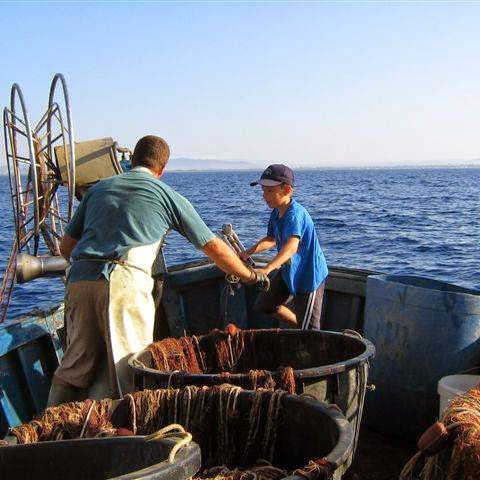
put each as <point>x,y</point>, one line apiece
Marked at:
<point>259,280</point>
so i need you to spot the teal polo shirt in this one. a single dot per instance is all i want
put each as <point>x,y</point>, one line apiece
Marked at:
<point>126,211</point>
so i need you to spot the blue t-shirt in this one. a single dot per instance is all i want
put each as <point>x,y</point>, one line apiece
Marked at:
<point>126,211</point>
<point>306,269</point>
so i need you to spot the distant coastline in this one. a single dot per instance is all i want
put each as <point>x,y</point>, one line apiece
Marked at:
<point>314,169</point>
<point>187,165</point>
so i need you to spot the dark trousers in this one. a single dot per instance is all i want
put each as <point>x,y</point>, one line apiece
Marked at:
<point>307,306</point>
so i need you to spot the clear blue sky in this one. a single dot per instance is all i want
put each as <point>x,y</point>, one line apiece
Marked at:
<point>327,84</point>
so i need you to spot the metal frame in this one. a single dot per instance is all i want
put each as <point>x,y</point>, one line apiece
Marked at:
<point>71,142</point>
<point>37,189</point>
<point>24,191</point>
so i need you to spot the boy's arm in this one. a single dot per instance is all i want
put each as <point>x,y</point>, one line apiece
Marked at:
<point>266,243</point>
<point>287,252</point>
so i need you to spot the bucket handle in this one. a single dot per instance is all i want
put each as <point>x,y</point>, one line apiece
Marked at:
<point>138,363</point>
<point>352,333</point>
<point>172,431</point>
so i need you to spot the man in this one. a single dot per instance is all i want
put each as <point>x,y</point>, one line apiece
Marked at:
<point>113,240</point>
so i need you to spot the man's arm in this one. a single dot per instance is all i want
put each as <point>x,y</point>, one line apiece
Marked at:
<point>67,244</point>
<point>266,243</point>
<point>226,259</point>
<point>287,252</point>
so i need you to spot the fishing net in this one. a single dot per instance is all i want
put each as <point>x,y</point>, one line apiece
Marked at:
<point>450,449</point>
<point>70,420</point>
<point>238,435</point>
<point>220,352</point>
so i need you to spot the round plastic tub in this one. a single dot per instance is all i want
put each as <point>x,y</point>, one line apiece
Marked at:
<point>332,367</point>
<point>128,458</point>
<point>453,385</point>
<point>305,429</point>
<point>423,330</point>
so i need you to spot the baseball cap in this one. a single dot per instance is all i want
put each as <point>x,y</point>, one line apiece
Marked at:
<point>275,174</point>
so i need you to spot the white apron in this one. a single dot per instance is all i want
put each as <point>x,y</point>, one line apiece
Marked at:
<point>131,310</point>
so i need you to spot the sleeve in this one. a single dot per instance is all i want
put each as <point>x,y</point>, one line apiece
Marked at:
<point>75,227</point>
<point>188,223</point>
<point>292,227</point>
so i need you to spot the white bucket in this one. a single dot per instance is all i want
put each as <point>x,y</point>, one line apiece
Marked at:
<point>453,385</point>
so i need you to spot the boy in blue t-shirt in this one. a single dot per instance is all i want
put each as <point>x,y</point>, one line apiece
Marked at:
<point>300,265</point>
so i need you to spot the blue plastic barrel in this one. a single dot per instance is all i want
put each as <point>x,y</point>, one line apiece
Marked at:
<point>422,329</point>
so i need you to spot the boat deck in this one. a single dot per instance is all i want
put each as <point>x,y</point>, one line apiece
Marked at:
<point>379,457</point>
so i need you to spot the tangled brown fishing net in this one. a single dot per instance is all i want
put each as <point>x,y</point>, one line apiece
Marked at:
<point>211,415</point>
<point>236,443</point>
<point>455,452</point>
<point>222,353</point>
<point>70,420</point>
<point>237,434</point>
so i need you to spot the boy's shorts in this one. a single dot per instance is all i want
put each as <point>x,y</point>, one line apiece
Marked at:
<point>307,306</point>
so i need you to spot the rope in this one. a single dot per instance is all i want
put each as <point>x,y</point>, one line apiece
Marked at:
<point>130,398</point>
<point>200,355</point>
<point>8,281</point>
<point>123,263</point>
<point>353,333</point>
<point>171,431</point>
<point>86,418</point>
<point>138,363</point>
<point>407,472</point>
<point>169,383</point>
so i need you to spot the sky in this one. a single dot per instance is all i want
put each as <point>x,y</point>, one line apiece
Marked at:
<point>326,84</point>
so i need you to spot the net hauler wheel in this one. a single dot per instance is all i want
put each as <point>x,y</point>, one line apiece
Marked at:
<point>22,171</point>
<point>65,136</point>
<point>41,209</point>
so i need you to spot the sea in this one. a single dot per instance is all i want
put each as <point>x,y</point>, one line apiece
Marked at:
<point>423,221</point>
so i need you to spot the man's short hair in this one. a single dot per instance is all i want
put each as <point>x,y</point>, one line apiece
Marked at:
<point>151,152</point>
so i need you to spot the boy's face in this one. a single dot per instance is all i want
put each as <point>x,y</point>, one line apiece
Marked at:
<point>277,195</point>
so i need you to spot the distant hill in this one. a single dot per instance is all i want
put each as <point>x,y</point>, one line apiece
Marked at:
<point>182,164</point>
<point>196,164</point>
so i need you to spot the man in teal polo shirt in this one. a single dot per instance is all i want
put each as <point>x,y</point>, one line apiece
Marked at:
<point>112,241</point>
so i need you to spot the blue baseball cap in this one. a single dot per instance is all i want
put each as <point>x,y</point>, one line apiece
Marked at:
<point>275,174</point>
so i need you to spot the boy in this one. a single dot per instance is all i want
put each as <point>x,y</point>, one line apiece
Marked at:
<point>300,265</point>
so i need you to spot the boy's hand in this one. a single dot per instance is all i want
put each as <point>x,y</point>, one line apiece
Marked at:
<point>265,270</point>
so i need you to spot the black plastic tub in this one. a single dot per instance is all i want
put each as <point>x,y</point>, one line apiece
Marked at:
<point>306,429</point>
<point>332,367</point>
<point>126,458</point>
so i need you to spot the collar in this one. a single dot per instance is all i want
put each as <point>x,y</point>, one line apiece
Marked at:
<point>144,170</point>
<point>292,201</point>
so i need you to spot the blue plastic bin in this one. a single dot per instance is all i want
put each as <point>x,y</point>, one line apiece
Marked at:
<point>423,329</point>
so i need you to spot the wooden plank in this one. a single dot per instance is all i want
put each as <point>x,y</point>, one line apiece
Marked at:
<point>16,334</point>
<point>193,275</point>
<point>24,330</point>
<point>13,402</point>
<point>38,360</point>
<point>174,310</point>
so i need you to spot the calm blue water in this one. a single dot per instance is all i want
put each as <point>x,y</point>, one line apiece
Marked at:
<point>416,221</point>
